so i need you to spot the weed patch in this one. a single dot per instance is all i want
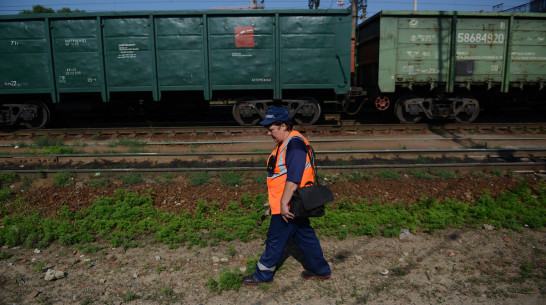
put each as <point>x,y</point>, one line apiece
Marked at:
<point>59,150</point>
<point>15,205</point>
<point>63,178</point>
<point>200,178</point>
<point>4,255</point>
<point>420,174</point>
<point>102,182</point>
<point>120,220</point>
<point>359,176</point>
<point>526,269</point>
<point>42,142</point>
<point>126,142</point>
<point>5,193</point>
<point>165,179</point>
<point>132,178</point>
<point>227,280</point>
<point>388,174</point>
<point>8,178</point>
<point>442,173</point>
<point>129,296</point>
<point>231,178</point>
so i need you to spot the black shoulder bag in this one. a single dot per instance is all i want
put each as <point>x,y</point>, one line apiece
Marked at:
<point>309,201</point>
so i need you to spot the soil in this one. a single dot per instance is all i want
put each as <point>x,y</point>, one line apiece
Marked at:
<point>456,266</point>
<point>180,195</point>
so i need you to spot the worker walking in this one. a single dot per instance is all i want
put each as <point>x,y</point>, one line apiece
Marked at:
<point>288,168</point>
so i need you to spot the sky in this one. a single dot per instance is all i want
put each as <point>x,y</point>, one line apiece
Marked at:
<point>374,6</point>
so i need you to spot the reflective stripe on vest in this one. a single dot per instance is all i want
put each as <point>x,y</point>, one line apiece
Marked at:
<point>282,154</point>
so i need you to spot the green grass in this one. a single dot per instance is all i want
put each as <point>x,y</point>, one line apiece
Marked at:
<point>526,270</point>
<point>251,265</point>
<point>59,150</point>
<point>5,194</point>
<point>231,178</point>
<point>497,172</point>
<point>42,142</point>
<point>8,178</point>
<point>421,174</point>
<point>260,179</point>
<point>98,182</point>
<point>129,296</point>
<point>388,174</point>
<point>90,248</point>
<point>421,160</point>
<point>442,173</point>
<point>4,255</point>
<point>126,143</point>
<point>133,146</point>
<point>160,268</point>
<point>39,266</point>
<point>50,150</point>
<point>168,294</point>
<point>165,179</point>
<point>227,280</point>
<point>51,146</point>
<point>359,176</point>
<point>63,178</point>
<point>200,178</point>
<point>132,178</point>
<point>120,220</point>
<point>10,205</point>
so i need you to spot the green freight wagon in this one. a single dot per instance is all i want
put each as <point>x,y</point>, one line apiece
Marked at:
<point>445,64</point>
<point>294,58</point>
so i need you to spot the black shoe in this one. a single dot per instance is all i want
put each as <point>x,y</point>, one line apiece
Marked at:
<point>310,275</point>
<point>251,280</point>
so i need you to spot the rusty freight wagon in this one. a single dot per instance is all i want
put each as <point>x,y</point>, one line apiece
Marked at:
<point>430,64</point>
<point>294,58</point>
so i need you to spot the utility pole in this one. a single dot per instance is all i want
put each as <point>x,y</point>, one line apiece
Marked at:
<point>414,5</point>
<point>254,4</point>
<point>314,4</point>
<point>357,5</point>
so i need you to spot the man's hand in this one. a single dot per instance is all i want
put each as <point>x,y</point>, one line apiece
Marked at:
<point>285,212</point>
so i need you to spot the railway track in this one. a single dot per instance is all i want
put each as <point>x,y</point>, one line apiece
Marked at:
<point>528,159</point>
<point>322,130</point>
<point>460,147</point>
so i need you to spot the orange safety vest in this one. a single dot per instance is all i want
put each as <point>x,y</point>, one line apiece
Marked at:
<point>277,180</point>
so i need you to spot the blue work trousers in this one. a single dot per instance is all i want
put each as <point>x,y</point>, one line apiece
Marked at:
<point>279,235</point>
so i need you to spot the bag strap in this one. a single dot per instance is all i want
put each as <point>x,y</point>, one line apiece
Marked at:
<point>311,154</point>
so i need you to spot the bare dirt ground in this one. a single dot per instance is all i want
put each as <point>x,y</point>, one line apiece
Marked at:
<point>455,266</point>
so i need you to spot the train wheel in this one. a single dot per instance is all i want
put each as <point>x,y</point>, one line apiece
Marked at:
<point>39,115</point>
<point>244,113</point>
<point>466,109</point>
<point>403,115</point>
<point>309,112</point>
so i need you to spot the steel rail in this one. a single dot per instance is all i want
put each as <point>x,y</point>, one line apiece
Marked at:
<point>518,167</point>
<point>266,153</point>
<point>468,139</point>
<point>238,130</point>
<point>326,156</point>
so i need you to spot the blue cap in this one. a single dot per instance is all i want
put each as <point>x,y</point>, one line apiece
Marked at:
<point>275,114</point>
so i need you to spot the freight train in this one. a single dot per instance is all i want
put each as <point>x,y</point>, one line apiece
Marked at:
<point>416,64</point>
